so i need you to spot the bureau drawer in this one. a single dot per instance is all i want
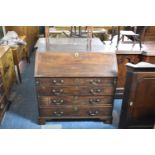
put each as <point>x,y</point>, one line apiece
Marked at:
<point>74,81</point>
<point>76,111</point>
<point>62,91</point>
<point>45,101</point>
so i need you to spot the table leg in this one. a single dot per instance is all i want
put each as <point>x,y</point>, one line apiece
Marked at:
<point>18,72</point>
<point>71,31</point>
<point>27,55</point>
<point>112,34</point>
<point>79,31</point>
<point>118,38</point>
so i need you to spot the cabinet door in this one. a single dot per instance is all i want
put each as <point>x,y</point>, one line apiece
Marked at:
<point>144,98</point>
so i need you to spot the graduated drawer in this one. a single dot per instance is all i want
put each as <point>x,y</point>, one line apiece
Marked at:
<point>74,90</point>
<point>74,81</point>
<point>45,101</point>
<point>76,111</point>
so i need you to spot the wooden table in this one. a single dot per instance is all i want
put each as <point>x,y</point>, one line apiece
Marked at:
<point>70,45</point>
<point>19,53</point>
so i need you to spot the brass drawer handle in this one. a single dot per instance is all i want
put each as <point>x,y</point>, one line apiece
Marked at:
<point>58,82</point>
<point>56,101</point>
<point>94,92</point>
<point>95,82</point>
<point>58,114</point>
<point>93,113</point>
<point>94,101</point>
<point>57,91</point>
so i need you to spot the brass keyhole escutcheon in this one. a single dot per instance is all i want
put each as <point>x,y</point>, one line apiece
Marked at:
<point>76,54</point>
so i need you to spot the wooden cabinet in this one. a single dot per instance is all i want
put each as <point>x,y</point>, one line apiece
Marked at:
<point>122,59</point>
<point>7,68</point>
<point>149,56</point>
<point>31,33</point>
<point>75,85</point>
<point>149,34</point>
<point>138,107</point>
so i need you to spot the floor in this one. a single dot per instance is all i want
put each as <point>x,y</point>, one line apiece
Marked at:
<point>23,111</point>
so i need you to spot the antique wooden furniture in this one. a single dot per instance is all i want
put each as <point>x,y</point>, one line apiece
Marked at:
<point>3,99</point>
<point>7,68</point>
<point>31,33</point>
<point>138,107</point>
<point>124,57</point>
<point>20,53</point>
<point>70,44</point>
<point>133,57</point>
<point>72,85</point>
<point>149,34</point>
<point>134,35</point>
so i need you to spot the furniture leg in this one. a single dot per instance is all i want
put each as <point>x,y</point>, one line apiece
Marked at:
<point>19,75</point>
<point>112,34</point>
<point>71,31</point>
<point>118,38</point>
<point>41,121</point>
<point>27,56</point>
<point>79,31</point>
<point>108,121</point>
<point>75,29</point>
<point>122,38</point>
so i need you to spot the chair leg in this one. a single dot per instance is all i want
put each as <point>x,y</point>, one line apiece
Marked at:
<point>112,35</point>
<point>140,44</point>
<point>122,38</point>
<point>118,41</point>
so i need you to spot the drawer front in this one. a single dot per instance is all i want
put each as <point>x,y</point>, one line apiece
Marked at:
<point>76,111</point>
<point>45,101</point>
<point>63,91</point>
<point>74,81</point>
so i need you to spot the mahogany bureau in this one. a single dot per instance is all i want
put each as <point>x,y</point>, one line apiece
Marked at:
<point>74,85</point>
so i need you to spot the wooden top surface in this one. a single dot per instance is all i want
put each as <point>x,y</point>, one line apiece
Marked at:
<point>69,44</point>
<point>148,53</point>
<point>141,65</point>
<point>73,64</point>
<point>3,50</point>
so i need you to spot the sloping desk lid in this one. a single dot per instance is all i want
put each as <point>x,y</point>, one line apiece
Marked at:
<point>72,64</point>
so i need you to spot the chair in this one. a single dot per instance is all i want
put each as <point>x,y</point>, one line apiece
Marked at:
<point>135,34</point>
